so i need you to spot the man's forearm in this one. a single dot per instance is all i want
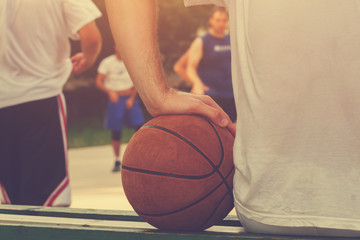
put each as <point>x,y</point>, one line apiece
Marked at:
<point>180,67</point>
<point>193,75</point>
<point>91,42</point>
<point>133,24</point>
<point>195,55</point>
<point>133,93</point>
<point>99,82</point>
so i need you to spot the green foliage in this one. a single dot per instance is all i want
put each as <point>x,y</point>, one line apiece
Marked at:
<point>94,135</point>
<point>177,28</point>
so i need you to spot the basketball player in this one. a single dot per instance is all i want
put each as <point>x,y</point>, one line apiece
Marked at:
<point>123,107</point>
<point>212,61</point>
<point>34,64</point>
<point>209,63</point>
<point>296,70</point>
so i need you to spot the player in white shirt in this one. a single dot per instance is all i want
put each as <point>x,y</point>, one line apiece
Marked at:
<point>123,107</point>
<point>35,63</point>
<point>296,70</point>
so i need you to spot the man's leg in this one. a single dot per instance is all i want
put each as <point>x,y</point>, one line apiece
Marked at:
<point>116,144</point>
<point>135,117</point>
<point>8,155</point>
<point>114,121</point>
<point>37,163</point>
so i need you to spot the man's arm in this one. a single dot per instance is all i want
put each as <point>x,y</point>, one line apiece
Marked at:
<point>131,99</point>
<point>180,66</point>
<point>91,42</point>
<point>100,78</point>
<point>133,24</point>
<point>195,55</point>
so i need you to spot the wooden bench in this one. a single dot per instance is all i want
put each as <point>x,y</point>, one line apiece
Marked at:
<point>50,223</point>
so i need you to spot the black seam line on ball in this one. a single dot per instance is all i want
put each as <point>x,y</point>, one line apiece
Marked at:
<point>215,167</point>
<point>222,158</point>
<point>215,209</point>
<point>167,174</point>
<point>190,205</point>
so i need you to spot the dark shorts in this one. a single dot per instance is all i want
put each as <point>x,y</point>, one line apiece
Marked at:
<point>228,105</point>
<point>117,115</point>
<point>33,154</point>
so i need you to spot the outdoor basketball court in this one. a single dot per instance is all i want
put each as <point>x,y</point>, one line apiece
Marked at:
<point>93,184</point>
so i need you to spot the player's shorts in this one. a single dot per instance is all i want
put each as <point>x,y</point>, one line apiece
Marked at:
<point>117,115</point>
<point>33,154</point>
<point>228,105</point>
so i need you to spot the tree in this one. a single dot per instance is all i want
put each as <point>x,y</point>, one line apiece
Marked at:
<point>178,26</point>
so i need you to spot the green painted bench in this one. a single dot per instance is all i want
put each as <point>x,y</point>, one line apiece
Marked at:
<point>47,223</point>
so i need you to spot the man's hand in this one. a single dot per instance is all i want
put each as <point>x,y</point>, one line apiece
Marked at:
<point>91,42</point>
<point>80,63</point>
<point>199,88</point>
<point>113,96</point>
<point>129,103</point>
<point>176,102</point>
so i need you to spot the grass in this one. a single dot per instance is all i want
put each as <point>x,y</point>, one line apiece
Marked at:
<point>94,136</point>
<point>86,108</point>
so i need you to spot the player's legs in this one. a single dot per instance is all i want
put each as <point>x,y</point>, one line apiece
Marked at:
<point>8,155</point>
<point>114,121</point>
<point>134,117</point>
<point>116,144</point>
<point>35,170</point>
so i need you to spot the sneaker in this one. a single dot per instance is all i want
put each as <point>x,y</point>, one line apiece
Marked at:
<point>117,167</point>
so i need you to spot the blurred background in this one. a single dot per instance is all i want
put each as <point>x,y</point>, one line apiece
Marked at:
<point>178,26</point>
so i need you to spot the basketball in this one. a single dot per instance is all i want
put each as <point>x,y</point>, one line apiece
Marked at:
<point>177,172</point>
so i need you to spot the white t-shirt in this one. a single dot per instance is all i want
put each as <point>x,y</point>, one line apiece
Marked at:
<point>117,77</point>
<point>35,48</point>
<point>296,78</point>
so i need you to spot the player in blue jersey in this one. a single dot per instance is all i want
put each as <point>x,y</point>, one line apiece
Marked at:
<point>209,63</point>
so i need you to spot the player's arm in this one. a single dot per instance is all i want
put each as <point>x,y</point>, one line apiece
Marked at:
<point>131,99</point>
<point>133,93</point>
<point>195,55</point>
<point>91,42</point>
<point>180,66</point>
<point>99,82</point>
<point>133,24</point>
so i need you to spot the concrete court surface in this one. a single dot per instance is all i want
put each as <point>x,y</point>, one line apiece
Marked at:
<point>93,184</point>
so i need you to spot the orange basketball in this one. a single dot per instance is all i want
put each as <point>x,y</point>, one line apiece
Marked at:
<point>177,172</point>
